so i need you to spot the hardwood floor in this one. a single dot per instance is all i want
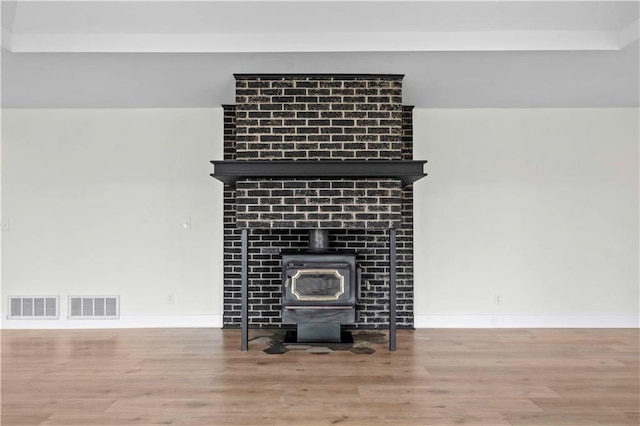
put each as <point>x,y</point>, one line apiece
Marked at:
<point>437,377</point>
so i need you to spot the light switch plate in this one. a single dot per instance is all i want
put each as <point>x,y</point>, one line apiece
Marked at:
<point>186,222</point>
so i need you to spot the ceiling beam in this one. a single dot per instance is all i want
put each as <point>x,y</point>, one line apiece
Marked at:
<point>436,41</point>
<point>270,26</point>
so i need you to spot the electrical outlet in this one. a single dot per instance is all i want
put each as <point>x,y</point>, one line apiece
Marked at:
<point>171,298</point>
<point>497,299</point>
<point>4,225</point>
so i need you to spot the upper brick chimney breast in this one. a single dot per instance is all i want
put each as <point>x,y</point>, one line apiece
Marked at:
<point>318,117</point>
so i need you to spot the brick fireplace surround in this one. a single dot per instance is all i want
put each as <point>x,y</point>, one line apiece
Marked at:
<point>317,118</point>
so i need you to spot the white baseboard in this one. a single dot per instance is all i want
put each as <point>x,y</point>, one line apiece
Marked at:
<point>526,321</point>
<point>142,321</point>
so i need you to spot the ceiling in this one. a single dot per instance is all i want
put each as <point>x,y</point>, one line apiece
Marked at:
<point>454,54</point>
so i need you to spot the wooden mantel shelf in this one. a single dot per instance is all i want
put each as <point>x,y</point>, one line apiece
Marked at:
<point>408,171</point>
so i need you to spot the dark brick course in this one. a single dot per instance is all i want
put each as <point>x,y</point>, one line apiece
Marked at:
<point>377,206</point>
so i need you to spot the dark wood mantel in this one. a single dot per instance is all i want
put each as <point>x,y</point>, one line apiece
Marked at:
<point>408,171</point>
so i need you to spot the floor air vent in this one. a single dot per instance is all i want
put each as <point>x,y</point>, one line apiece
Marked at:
<point>94,307</point>
<point>33,307</point>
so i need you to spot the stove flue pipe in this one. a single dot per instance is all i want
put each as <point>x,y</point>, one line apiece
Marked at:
<point>318,240</point>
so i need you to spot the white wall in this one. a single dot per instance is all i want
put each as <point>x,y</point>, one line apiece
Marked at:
<point>96,201</point>
<point>537,206</point>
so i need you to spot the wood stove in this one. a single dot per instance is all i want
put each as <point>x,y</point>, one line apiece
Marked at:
<point>320,290</point>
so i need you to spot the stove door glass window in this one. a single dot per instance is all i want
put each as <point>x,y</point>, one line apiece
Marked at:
<point>317,284</point>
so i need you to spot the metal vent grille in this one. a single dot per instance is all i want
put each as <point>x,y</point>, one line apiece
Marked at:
<point>94,307</point>
<point>33,307</point>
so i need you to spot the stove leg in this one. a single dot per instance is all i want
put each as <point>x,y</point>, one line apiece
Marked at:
<point>392,289</point>
<point>244,307</point>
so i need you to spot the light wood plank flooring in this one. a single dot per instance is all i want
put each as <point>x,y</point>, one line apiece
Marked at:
<point>437,377</point>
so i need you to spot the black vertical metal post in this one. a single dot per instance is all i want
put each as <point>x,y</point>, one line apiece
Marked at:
<point>244,346</point>
<point>392,289</point>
